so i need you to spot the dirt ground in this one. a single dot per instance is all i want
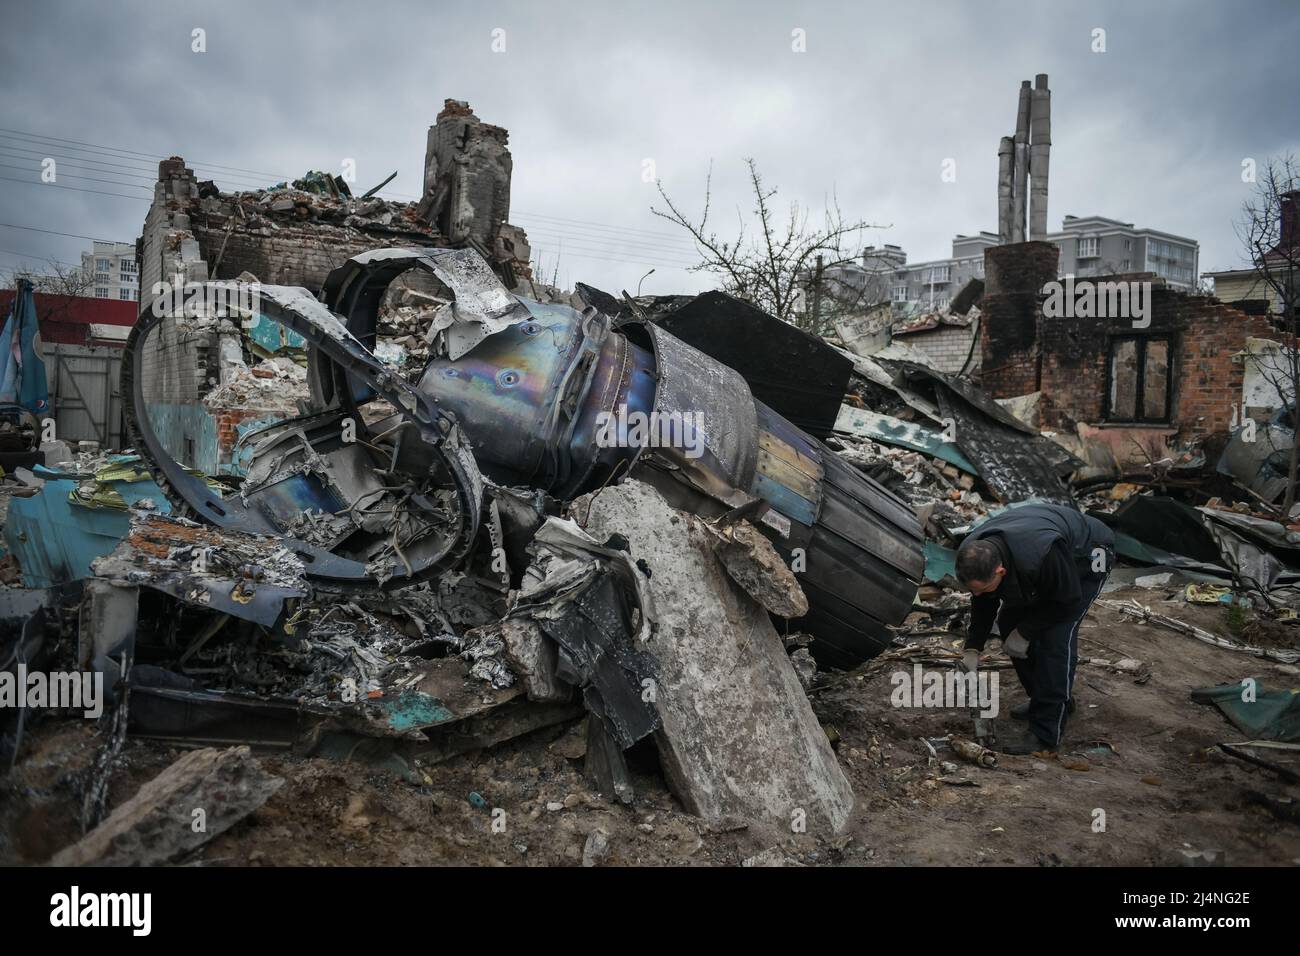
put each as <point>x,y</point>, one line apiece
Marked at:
<point>1137,751</point>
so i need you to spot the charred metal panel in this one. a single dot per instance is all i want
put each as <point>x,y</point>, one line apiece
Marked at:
<point>1015,461</point>
<point>1008,461</point>
<point>598,654</point>
<point>789,468</point>
<point>972,396</point>
<point>797,374</point>
<point>1260,465</point>
<point>863,564</point>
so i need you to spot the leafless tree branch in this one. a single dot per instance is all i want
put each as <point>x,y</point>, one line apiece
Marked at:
<point>776,264</point>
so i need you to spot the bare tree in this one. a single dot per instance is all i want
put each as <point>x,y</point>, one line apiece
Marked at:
<point>770,263</point>
<point>58,279</point>
<point>852,289</point>
<point>1269,229</point>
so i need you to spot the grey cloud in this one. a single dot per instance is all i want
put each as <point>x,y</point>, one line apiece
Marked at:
<point>1153,131</point>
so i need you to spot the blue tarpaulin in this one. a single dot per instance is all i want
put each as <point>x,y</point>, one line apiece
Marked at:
<point>22,381</point>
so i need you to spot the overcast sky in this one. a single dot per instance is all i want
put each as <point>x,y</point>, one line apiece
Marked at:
<point>1152,131</point>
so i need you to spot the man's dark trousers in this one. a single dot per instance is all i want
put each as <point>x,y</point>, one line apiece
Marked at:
<point>1047,671</point>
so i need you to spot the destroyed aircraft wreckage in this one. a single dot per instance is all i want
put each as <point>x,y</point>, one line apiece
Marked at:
<point>399,573</point>
<point>389,526</point>
<point>518,390</point>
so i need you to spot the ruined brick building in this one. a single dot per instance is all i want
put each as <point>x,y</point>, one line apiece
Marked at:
<point>1138,388</point>
<point>295,236</point>
<point>291,237</point>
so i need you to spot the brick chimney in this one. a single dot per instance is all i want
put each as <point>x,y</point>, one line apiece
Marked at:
<point>1289,231</point>
<point>1014,276</point>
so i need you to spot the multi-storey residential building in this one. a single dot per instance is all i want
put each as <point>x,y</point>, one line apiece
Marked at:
<point>1089,246</point>
<point>1094,245</point>
<point>112,268</point>
<point>884,274</point>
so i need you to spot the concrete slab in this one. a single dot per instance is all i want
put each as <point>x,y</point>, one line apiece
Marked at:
<point>739,738</point>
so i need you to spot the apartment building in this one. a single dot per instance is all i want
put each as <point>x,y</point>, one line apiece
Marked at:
<point>1095,245</point>
<point>113,271</point>
<point>1089,246</point>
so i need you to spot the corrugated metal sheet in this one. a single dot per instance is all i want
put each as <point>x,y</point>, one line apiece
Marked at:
<point>1010,464</point>
<point>861,545</point>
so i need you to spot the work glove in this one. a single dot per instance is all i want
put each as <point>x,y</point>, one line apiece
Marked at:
<point>970,659</point>
<point>1015,645</point>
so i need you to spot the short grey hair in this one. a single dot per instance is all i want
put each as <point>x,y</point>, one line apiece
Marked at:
<point>977,560</point>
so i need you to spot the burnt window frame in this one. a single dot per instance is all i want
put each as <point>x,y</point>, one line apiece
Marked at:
<point>1140,388</point>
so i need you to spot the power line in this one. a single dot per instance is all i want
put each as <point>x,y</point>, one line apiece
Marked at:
<point>29,255</point>
<point>92,179</point>
<point>603,237</point>
<point>652,237</point>
<point>33,256</point>
<point>223,171</point>
<point>137,166</point>
<point>595,240</point>
<point>584,222</point>
<point>661,243</point>
<point>594,236</point>
<point>150,174</point>
<point>559,251</point>
<point>99,163</point>
<point>576,251</point>
<point>100,147</point>
<point>12,154</point>
<point>97,192</point>
<point>578,243</point>
<point>620,247</point>
<point>606,250</point>
<point>51,232</point>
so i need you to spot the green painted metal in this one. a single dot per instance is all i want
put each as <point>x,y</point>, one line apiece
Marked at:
<point>413,710</point>
<point>894,431</point>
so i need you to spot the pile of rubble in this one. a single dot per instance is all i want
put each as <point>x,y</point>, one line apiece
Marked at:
<point>921,480</point>
<point>309,200</point>
<point>399,584</point>
<point>437,547</point>
<point>272,384</point>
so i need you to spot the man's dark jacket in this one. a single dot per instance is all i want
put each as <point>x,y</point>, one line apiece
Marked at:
<point>1048,551</point>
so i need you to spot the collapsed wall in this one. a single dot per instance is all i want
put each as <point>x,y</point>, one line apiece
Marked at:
<point>467,170</point>
<point>295,234</point>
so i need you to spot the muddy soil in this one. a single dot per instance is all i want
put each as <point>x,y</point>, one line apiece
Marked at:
<point>1141,753</point>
